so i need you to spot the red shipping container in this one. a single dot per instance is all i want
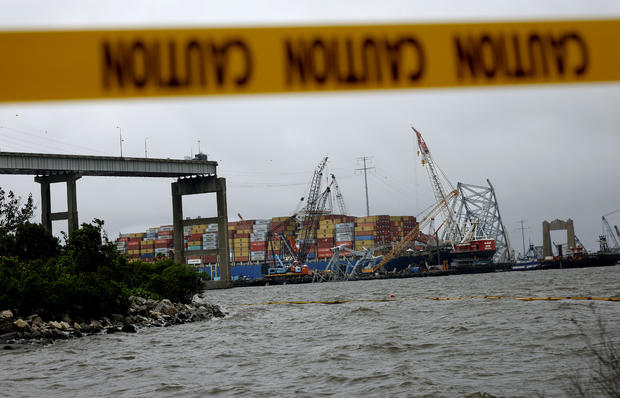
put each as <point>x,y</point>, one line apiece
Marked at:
<point>325,240</point>
<point>241,258</point>
<point>195,237</point>
<point>209,259</point>
<point>258,246</point>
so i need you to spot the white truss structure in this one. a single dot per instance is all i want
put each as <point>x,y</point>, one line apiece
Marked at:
<point>477,214</point>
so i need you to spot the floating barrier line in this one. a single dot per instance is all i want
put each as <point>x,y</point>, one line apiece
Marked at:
<point>526,298</point>
<point>319,302</point>
<point>436,299</point>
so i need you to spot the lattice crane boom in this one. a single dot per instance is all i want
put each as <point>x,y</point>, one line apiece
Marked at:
<point>608,229</point>
<point>315,189</point>
<point>341,206</point>
<point>454,233</point>
<point>415,232</point>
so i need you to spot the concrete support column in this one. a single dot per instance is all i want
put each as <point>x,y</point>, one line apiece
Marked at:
<point>72,212</point>
<point>570,234</point>
<point>46,206</point>
<point>222,234</point>
<point>177,223</point>
<point>546,239</point>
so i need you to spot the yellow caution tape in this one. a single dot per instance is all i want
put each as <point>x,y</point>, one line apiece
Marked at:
<point>63,65</point>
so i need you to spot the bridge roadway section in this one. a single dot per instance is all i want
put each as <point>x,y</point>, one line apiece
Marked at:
<point>195,176</point>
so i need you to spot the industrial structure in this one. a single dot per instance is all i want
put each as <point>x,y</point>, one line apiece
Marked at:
<point>476,207</point>
<point>470,215</point>
<point>193,176</point>
<point>608,232</point>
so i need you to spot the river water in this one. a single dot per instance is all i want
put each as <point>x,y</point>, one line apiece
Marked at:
<point>364,346</point>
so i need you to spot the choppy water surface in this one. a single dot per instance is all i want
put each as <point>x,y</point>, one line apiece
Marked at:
<point>409,347</point>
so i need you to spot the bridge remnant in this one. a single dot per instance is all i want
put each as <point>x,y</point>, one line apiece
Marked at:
<point>554,226</point>
<point>200,185</point>
<point>193,176</point>
<point>71,215</point>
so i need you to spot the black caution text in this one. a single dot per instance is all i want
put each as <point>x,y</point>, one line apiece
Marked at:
<point>353,62</point>
<point>192,63</point>
<point>519,57</point>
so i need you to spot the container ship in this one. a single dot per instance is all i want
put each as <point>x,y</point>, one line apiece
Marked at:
<point>256,245</point>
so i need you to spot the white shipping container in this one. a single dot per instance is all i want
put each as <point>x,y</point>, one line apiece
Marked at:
<point>263,222</point>
<point>258,237</point>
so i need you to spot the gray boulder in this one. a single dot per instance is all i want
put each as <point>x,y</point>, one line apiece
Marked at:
<point>165,307</point>
<point>6,321</point>
<point>22,326</point>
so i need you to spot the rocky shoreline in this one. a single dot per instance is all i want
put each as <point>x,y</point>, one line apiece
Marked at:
<point>142,313</point>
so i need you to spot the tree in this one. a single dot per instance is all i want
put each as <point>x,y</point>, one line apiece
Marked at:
<point>90,249</point>
<point>13,212</point>
<point>34,241</point>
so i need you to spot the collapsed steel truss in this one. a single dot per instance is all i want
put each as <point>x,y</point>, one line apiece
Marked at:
<point>477,214</point>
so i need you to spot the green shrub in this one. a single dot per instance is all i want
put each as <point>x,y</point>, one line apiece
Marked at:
<point>85,279</point>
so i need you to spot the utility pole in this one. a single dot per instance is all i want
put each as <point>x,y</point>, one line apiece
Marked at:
<point>364,159</point>
<point>120,139</point>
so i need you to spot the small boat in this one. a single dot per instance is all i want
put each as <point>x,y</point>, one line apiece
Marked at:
<point>527,262</point>
<point>524,264</point>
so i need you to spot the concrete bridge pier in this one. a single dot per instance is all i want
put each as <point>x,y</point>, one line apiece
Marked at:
<point>199,185</point>
<point>555,225</point>
<point>71,215</point>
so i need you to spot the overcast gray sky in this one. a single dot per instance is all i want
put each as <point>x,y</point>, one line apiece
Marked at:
<point>550,151</point>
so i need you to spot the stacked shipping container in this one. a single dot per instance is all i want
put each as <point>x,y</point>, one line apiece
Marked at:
<point>327,233</point>
<point>372,231</point>
<point>259,240</point>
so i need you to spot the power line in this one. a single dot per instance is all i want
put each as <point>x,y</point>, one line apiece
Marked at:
<point>39,136</point>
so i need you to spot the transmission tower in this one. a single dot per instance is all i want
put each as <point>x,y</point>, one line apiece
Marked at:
<point>365,169</point>
<point>522,229</point>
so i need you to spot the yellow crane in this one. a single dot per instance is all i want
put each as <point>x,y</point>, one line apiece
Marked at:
<point>414,233</point>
